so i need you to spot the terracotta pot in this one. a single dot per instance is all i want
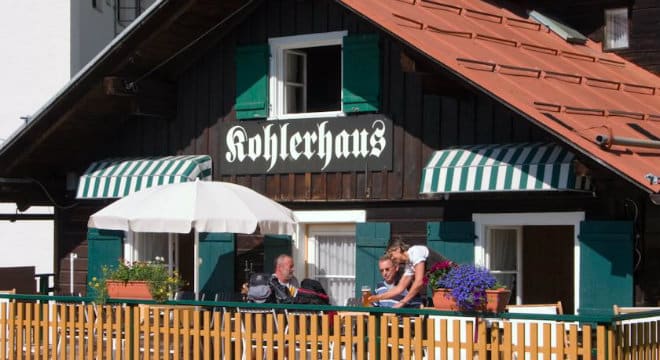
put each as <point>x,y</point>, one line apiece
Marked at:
<point>129,290</point>
<point>442,300</point>
<point>496,300</point>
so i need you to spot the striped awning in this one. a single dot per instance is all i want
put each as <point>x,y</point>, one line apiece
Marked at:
<point>119,177</point>
<point>509,167</point>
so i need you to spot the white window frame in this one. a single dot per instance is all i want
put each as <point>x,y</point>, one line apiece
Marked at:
<point>519,265</point>
<point>131,251</point>
<point>301,247</point>
<point>276,81</point>
<point>483,222</point>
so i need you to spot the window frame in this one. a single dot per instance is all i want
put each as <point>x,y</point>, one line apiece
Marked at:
<point>518,271</point>
<point>132,251</point>
<point>276,83</point>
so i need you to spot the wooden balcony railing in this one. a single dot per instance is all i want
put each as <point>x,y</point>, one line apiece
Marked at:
<point>42,327</point>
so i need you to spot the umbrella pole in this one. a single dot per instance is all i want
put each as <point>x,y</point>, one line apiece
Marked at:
<point>196,265</point>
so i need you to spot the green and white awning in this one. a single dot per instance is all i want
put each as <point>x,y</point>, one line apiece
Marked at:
<point>509,167</point>
<point>120,177</point>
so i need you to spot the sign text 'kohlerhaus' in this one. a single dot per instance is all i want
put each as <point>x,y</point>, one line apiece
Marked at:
<point>354,143</point>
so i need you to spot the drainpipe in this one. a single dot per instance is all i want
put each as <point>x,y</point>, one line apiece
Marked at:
<point>72,257</point>
<point>607,141</point>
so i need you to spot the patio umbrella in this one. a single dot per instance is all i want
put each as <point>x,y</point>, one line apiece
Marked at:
<point>200,206</point>
<point>205,206</point>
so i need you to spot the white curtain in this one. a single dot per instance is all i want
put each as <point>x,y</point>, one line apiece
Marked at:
<point>148,246</point>
<point>335,261</point>
<point>504,256</point>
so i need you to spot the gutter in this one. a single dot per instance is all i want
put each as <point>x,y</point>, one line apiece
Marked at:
<point>80,76</point>
<point>22,217</point>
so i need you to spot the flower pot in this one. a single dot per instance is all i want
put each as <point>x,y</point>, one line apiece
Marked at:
<point>496,300</point>
<point>128,290</point>
<point>442,300</point>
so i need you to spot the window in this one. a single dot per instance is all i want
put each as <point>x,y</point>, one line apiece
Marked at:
<point>335,262</point>
<point>502,257</point>
<point>306,75</point>
<point>149,246</point>
<point>616,29</point>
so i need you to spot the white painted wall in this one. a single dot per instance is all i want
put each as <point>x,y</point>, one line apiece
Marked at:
<point>34,66</point>
<point>91,30</point>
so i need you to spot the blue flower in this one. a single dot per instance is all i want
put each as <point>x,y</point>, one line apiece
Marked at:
<point>468,284</point>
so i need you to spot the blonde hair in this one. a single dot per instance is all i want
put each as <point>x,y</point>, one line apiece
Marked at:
<point>397,243</point>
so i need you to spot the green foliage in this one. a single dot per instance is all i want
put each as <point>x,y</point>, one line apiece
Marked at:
<point>162,284</point>
<point>437,273</point>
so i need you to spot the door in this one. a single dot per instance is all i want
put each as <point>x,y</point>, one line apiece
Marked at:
<point>331,260</point>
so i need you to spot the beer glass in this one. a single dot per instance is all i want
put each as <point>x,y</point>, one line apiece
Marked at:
<point>366,292</point>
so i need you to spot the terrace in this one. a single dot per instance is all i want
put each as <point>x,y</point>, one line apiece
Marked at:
<point>48,327</point>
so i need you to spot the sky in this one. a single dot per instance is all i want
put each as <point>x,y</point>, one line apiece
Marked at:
<point>34,49</point>
<point>34,35</point>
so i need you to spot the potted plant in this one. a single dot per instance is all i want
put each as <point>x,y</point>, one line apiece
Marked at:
<point>475,289</point>
<point>137,280</point>
<point>433,277</point>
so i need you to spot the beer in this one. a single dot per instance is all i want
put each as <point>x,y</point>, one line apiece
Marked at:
<point>366,292</point>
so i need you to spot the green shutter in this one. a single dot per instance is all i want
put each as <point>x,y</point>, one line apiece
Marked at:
<point>216,271</point>
<point>452,239</point>
<point>274,246</point>
<point>371,240</point>
<point>361,80</point>
<point>104,248</point>
<point>252,81</point>
<point>606,266</point>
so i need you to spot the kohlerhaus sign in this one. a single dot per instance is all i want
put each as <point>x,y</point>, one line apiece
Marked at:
<point>353,143</point>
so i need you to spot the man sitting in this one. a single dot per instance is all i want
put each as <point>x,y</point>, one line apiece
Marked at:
<point>391,274</point>
<point>283,282</point>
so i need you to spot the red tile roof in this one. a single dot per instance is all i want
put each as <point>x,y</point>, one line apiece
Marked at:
<point>574,91</point>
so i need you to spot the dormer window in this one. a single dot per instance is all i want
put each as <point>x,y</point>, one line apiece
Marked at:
<point>616,29</point>
<point>308,76</point>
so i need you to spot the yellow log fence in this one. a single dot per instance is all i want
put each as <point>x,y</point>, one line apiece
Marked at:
<point>54,330</point>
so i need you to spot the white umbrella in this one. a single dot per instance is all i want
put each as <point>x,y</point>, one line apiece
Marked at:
<point>202,206</point>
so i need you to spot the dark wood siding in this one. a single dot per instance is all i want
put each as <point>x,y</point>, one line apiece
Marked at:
<point>71,237</point>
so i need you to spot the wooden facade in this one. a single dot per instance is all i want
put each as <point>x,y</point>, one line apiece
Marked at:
<point>430,108</point>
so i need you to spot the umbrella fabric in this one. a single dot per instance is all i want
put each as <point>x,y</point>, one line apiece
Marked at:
<point>204,206</point>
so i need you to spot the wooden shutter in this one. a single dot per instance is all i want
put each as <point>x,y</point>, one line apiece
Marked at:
<point>216,271</point>
<point>274,246</point>
<point>252,81</point>
<point>606,266</point>
<point>104,248</point>
<point>361,74</point>
<point>371,239</point>
<point>452,239</point>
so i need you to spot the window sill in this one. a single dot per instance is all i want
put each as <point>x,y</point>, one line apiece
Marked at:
<point>311,115</point>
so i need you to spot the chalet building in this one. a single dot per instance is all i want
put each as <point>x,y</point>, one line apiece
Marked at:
<point>492,136</point>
